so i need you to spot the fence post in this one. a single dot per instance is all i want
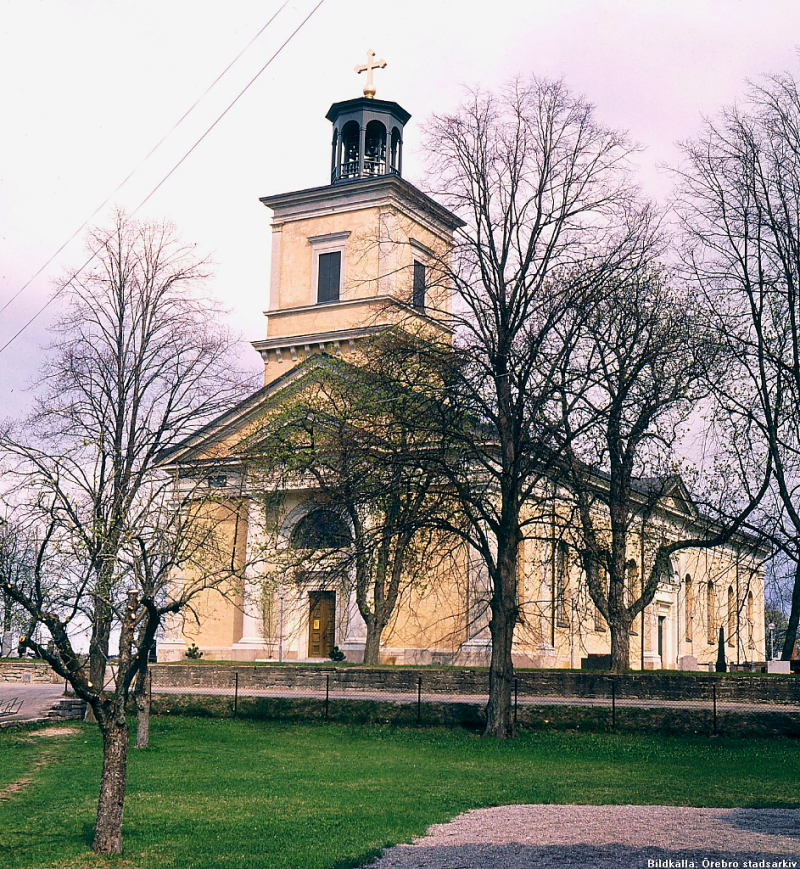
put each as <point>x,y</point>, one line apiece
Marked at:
<point>327,693</point>
<point>714,706</point>
<point>516,700</point>
<point>419,700</point>
<point>613,704</point>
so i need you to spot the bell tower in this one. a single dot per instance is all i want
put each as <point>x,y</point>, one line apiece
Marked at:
<point>361,252</point>
<point>367,133</point>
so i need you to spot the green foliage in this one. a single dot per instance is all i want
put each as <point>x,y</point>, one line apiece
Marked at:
<point>209,794</point>
<point>193,652</point>
<point>776,617</point>
<point>337,654</point>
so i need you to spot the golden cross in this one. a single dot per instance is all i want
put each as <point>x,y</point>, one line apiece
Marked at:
<point>369,66</point>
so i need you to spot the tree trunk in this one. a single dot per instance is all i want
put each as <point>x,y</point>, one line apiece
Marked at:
<point>142,700</point>
<point>499,718</point>
<point>499,715</point>
<point>98,650</point>
<point>620,645</point>
<point>108,827</point>
<point>141,697</point>
<point>372,648</point>
<point>98,655</point>
<point>5,642</point>
<point>794,618</point>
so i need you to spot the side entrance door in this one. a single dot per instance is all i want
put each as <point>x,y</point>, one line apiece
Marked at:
<point>321,621</point>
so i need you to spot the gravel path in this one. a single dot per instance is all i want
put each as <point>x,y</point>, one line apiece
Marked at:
<point>605,837</point>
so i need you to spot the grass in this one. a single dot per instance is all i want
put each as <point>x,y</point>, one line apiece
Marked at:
<point>19,750</point>
<point>240,794</point>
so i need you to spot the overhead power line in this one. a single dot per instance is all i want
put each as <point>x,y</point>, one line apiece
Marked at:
<point>144,160</point>
<point>153,150</point>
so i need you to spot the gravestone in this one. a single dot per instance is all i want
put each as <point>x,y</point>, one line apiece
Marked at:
<point>779,667</point>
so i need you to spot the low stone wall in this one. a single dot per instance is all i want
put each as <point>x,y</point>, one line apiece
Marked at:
<point>28,672</point>
<point>68,708</point>
<point>597,719</point>
<point>743,688</point>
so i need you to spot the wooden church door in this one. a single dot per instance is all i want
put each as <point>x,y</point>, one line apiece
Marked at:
<point>321,620</point>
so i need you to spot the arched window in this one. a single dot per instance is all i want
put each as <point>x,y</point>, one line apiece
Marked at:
<point>711,605</point>
<point>335,153</point>
<point>689,598</point>
<point>731,615</point>
<point>375,149</point>
<point>348,161</point>
<point>320,529</point>
<point>396,153</point>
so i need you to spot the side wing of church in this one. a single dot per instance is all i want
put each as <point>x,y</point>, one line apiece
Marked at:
<point>348,259</point>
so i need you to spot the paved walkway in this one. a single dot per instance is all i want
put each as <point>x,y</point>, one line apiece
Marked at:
<point>37,699</point>
<point>605,837</point>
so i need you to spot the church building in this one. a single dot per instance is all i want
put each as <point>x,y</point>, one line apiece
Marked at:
<point>348,259</point>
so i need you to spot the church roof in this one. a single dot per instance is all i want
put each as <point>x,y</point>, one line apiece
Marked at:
<point>366,191</point>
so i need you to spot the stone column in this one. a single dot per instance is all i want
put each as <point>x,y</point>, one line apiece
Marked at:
<point>478,646</point>
<point>252,640</point>
<point>356,631</point>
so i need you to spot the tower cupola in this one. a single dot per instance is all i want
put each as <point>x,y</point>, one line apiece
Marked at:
<point>367,133</point>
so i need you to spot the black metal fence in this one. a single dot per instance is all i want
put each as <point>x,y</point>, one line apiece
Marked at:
<point>704,705</point>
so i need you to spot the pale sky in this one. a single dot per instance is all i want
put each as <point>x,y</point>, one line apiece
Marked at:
<point>90,86</point>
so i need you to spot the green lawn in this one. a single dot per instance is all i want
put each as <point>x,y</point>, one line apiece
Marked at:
<point>235,794</point>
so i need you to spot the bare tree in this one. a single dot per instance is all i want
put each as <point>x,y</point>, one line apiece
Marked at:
<point>139,362</point>
<point>16,562</point>
<point>640,367</point>
<point>59,594</point>
<point>350,435</point>
<point>739,202</point>
<point>544,191</point>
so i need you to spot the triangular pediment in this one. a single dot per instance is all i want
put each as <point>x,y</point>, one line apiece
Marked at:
<point>670,493</point>
<point>218,439</point>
